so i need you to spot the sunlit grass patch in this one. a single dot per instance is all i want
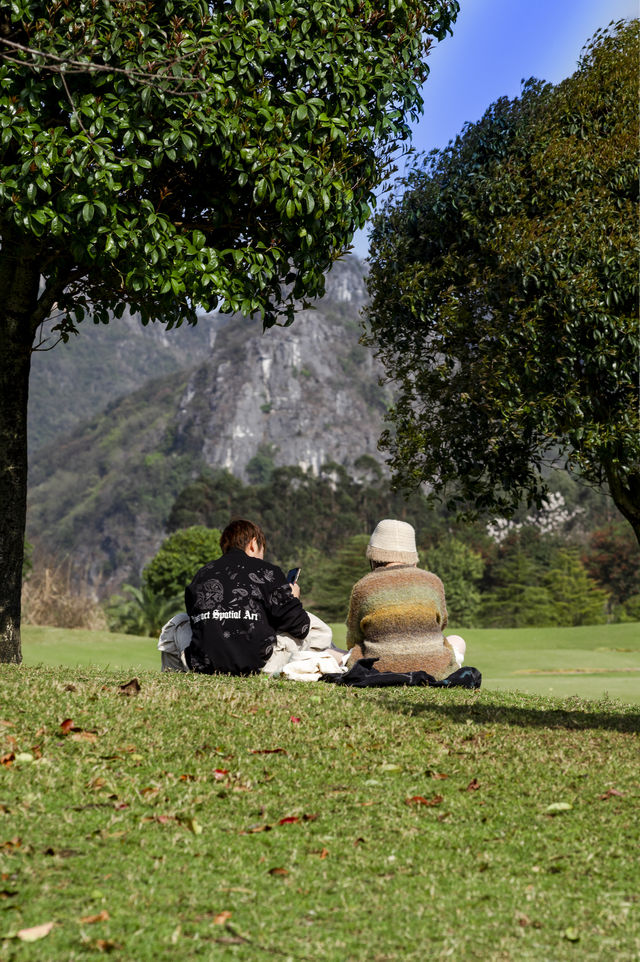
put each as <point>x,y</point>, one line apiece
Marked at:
<point>242,818</point>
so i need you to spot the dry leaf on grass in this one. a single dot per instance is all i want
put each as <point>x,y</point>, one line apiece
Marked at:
<point>421,800</point>
<point>221,918</point>
<point>261,827</point>
<point>35,933</point>
<point>278,871</point>
<point>92,919</point>
<point>610,793</point>
<point>130,687</point>
<point>557,808</point>
<point>107,945</point>
<point>83,736</point>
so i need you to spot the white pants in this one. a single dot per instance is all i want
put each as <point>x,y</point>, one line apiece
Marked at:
<point>319,638</point>
<point>176,636</point>
<point>459,646</point>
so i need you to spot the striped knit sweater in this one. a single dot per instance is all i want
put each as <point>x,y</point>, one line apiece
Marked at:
<point>397,614</point>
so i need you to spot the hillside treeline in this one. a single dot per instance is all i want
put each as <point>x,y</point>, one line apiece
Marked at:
<point>571,563</point>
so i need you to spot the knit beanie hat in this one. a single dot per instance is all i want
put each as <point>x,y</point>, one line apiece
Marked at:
<point>393,541</point>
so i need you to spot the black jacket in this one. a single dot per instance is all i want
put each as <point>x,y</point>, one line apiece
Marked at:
<point>237,604</point>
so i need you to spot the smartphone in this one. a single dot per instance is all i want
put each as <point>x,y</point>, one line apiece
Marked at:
<point>293,575</point>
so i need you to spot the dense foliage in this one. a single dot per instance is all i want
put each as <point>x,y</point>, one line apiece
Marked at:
<point>179,152</point>
<point>183,152</point>
<point>504,285</point>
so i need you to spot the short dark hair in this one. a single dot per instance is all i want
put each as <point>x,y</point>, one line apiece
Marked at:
<point>240,533</point>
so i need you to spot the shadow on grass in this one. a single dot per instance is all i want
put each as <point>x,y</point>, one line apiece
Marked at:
<point>571,719</point>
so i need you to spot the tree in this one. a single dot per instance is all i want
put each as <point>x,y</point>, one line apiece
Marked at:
<point>612,559</point>
<point>179,557</point>
<point>333,585</point>
<point>183,152</point>
<point>504,295</point>
<point>519,598</point>
<point>576,598</point>
<point>460,568</point>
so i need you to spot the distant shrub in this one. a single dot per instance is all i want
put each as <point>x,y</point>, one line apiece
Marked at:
<point>632,608</point>
<point>138,611</point>
<point>179,557</point>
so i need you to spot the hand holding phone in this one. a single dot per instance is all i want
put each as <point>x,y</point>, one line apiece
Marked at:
<point>292,575</point>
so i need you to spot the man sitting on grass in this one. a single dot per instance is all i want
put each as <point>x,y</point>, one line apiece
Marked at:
<point>245,616</point>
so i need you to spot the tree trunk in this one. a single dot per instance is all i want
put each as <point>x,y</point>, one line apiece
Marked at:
<point>626,496</point>
<point>19,279</point>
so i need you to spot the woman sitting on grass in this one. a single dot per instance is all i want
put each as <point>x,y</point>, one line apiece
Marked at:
<point>397,612</point>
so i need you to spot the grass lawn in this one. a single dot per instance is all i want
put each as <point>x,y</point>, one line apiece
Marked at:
<point>248,819</point>
<point>588,661</point>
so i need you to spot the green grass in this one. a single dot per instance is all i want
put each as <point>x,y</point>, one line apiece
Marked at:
<point>602,659</point>
<point>163,811</point>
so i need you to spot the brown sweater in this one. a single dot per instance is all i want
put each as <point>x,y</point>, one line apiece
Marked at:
<point>397,614</point>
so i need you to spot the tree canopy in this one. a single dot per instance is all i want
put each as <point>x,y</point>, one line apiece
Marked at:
<point>504,295</point>
<point>180,152</point>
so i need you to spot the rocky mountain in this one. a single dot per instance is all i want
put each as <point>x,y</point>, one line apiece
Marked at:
<point>306,395</point>
<point>101,363</point>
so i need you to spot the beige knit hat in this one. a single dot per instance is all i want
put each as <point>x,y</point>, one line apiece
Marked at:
<point>393,541</point>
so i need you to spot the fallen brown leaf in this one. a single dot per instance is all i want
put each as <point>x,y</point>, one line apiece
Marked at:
<point>66,725</point>
<point>289,820</point>
<point>130,687</point>
<point>11,843</point>
<point>92,919</point>
<point>221,918</point>
<point>262,827</point>
<point>268,751</point>
<point>473,785</point>
<point>106,945</point>
<point>610,793</point>
<point>83,736</point>
<point>278,871</point>
<point>421,800</point>
<point>8,759</point>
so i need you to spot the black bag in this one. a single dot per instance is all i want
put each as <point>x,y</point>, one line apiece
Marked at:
<point>364,675</point>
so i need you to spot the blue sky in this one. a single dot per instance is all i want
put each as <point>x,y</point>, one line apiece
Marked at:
<point>495,45</point>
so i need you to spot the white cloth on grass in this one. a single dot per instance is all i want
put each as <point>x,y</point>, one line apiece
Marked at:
<point>175,638</point>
